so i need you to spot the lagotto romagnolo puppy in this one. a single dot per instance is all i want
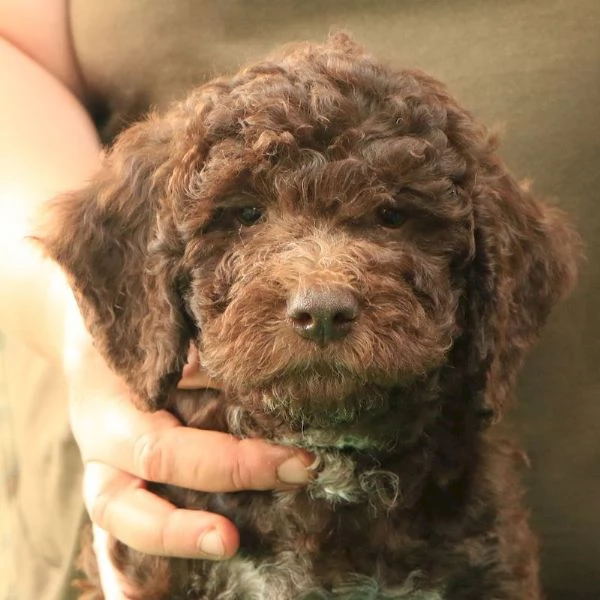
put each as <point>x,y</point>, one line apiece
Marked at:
<point>363,276</point>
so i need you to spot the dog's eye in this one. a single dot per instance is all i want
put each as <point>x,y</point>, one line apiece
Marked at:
<point>391,217</point>
<point>249,215</point>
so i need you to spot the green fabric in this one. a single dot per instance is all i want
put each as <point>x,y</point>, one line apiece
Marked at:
<point>531,65</point>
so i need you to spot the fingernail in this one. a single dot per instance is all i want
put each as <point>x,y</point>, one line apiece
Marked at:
<point>293,471</point>
<point>211,544</point>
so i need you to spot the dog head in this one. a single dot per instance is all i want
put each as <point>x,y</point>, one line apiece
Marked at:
<point>321,226</point>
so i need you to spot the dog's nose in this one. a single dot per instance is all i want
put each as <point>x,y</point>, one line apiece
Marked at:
<point>323,315</point>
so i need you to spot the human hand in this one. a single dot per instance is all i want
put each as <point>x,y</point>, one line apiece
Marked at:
<point>123,447</point>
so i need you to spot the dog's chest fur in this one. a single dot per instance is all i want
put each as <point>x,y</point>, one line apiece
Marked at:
<point>245,579</point>
<point>291,541</point>
<point>289,559</point>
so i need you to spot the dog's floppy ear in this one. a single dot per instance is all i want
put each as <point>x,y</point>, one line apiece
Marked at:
<point>526,257</point>
<point>116,241</point>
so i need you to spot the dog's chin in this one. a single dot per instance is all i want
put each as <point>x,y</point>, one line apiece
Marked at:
<point>320,396</point>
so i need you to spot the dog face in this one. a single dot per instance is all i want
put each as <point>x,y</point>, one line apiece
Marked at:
<point>325,229</point>
<point>313,278</point>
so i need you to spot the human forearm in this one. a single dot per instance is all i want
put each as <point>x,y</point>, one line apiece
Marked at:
<point>48,144</point>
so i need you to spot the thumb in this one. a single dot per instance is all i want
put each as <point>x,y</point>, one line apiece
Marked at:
<point>194,375</point>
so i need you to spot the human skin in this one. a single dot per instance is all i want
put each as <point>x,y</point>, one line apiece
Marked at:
<point>49,145</point>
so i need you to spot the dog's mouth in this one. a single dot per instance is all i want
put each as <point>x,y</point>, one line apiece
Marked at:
<point>321,393</point>
<point>338,410</point>
<point>327,385</point>
<point>320,390</point>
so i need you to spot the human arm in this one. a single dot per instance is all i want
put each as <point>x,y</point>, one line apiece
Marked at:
<point>49,144</point>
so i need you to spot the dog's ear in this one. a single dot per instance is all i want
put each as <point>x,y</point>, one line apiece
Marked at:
<point>117,243</point>
<point>525,259</point>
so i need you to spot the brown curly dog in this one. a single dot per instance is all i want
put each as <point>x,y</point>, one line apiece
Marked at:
<point>357,267</point>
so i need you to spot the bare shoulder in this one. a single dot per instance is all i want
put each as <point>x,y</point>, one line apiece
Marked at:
<point>40,29</point>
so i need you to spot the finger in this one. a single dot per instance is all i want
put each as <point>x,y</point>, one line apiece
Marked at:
<point>216,462</point>
<point>155,447</point>
<point>194,376</point>
<point>106,424</point>
<point>119,503</point>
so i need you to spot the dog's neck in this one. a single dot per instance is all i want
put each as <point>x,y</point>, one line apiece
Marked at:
<point>355,462</point>
<point>324,439</point>
<point>381,458</point>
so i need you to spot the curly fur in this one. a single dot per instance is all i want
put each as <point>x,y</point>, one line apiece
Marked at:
<point>415,495</point>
